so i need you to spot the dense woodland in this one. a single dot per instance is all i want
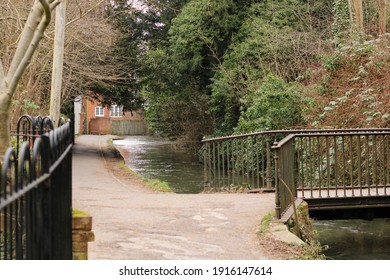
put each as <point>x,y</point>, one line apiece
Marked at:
<point>207,67</point>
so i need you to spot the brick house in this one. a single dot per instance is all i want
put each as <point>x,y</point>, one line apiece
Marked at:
<point>92,118</point>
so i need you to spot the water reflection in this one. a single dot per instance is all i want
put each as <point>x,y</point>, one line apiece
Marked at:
<point>355,239</point>
<point>156,158</point>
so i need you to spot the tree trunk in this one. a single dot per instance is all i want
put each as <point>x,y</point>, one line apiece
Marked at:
<point>382,9</point>
<point>58,64</point>
<point>4,125</point>
<point>358,8</point>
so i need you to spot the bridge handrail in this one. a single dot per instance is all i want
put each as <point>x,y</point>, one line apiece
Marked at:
<point>244,161</point>
<point>292,131</point>
<point>344,163</point>
<point>282,142</point>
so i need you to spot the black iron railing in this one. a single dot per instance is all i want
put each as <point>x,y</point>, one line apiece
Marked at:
<point>332,165</point>
<point>36,192</point>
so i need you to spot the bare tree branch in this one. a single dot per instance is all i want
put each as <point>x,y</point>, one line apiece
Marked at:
<point>47,11</point>
<point>85,13</point>
<point>24,59</point>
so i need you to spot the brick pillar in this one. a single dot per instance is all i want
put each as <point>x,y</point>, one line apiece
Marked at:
<point>81,234</point>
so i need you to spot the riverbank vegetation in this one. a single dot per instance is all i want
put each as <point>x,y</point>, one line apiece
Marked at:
<point>154,184</point>
<point>222,67</point>
<point>278,249</point>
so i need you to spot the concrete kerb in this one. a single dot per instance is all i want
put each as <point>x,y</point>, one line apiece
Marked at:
<point>281,232</point>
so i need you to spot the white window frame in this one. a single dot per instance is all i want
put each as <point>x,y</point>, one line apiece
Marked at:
<point>116,111</point>
<point>99,111</point>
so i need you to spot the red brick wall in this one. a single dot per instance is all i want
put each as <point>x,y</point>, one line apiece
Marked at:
<point>97,124</point>
<point>100,126</point>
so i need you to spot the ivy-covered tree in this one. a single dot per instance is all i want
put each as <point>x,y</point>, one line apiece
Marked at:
<point>279,37</point>
<point>353,19</point>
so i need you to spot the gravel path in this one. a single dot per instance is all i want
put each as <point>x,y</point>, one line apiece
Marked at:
<point>133,222</point>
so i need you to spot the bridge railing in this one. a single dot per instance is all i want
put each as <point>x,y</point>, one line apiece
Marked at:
<point>241,162</point>
<point>352,163</point>
<point>36,194</point>
<point>246,162</point>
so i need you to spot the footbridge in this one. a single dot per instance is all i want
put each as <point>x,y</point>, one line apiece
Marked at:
<point>341,169</point>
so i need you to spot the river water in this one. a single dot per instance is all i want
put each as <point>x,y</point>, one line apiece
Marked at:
<point>355,239</point>
<point>156,158</point>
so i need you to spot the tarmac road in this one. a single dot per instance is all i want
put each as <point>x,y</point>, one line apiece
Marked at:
<point>134,223</point>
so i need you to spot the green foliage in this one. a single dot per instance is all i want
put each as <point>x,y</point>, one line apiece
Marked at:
<point>201,33</point>
<point>275,105</point>
<point>265,224</point>
<point>178,75</point>
<point>155,184</point>
<point>198,63</point>
<point>281,37</point>
<point>181,113</point>
<point>79,213</point>
<point>331,62</point>
<point>143,30</point>
<point>26,107</point>
<point>158,185</point>
<point>312,249</point>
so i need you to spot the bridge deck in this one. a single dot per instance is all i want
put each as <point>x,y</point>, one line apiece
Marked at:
<point>347,192</point>
<point>348,198</point>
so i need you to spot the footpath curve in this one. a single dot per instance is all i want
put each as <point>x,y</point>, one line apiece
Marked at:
<point>132,222</point>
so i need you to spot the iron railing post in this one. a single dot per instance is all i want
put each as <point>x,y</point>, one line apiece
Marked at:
<point>268,177</point>
<point>205,175</point>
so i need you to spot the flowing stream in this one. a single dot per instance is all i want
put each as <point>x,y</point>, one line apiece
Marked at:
<point>156,158</point>
<point>355,239</point>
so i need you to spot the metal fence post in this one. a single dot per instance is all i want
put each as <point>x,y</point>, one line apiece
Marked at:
<point>268,180</point>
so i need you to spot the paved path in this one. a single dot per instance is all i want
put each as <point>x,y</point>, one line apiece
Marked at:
<point>131,222</point>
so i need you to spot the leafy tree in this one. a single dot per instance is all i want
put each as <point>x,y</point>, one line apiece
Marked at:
<point>143,27</point>
<point>181,71</point>
<point>275,105</point>
<point>282,37</point>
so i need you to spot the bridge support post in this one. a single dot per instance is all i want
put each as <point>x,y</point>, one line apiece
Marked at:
<point>268,173</point>
<point>277,197</point>
<point>205,178</point>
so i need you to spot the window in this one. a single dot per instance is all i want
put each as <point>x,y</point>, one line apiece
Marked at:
<point>99,112</point>
<point>116,111</point>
